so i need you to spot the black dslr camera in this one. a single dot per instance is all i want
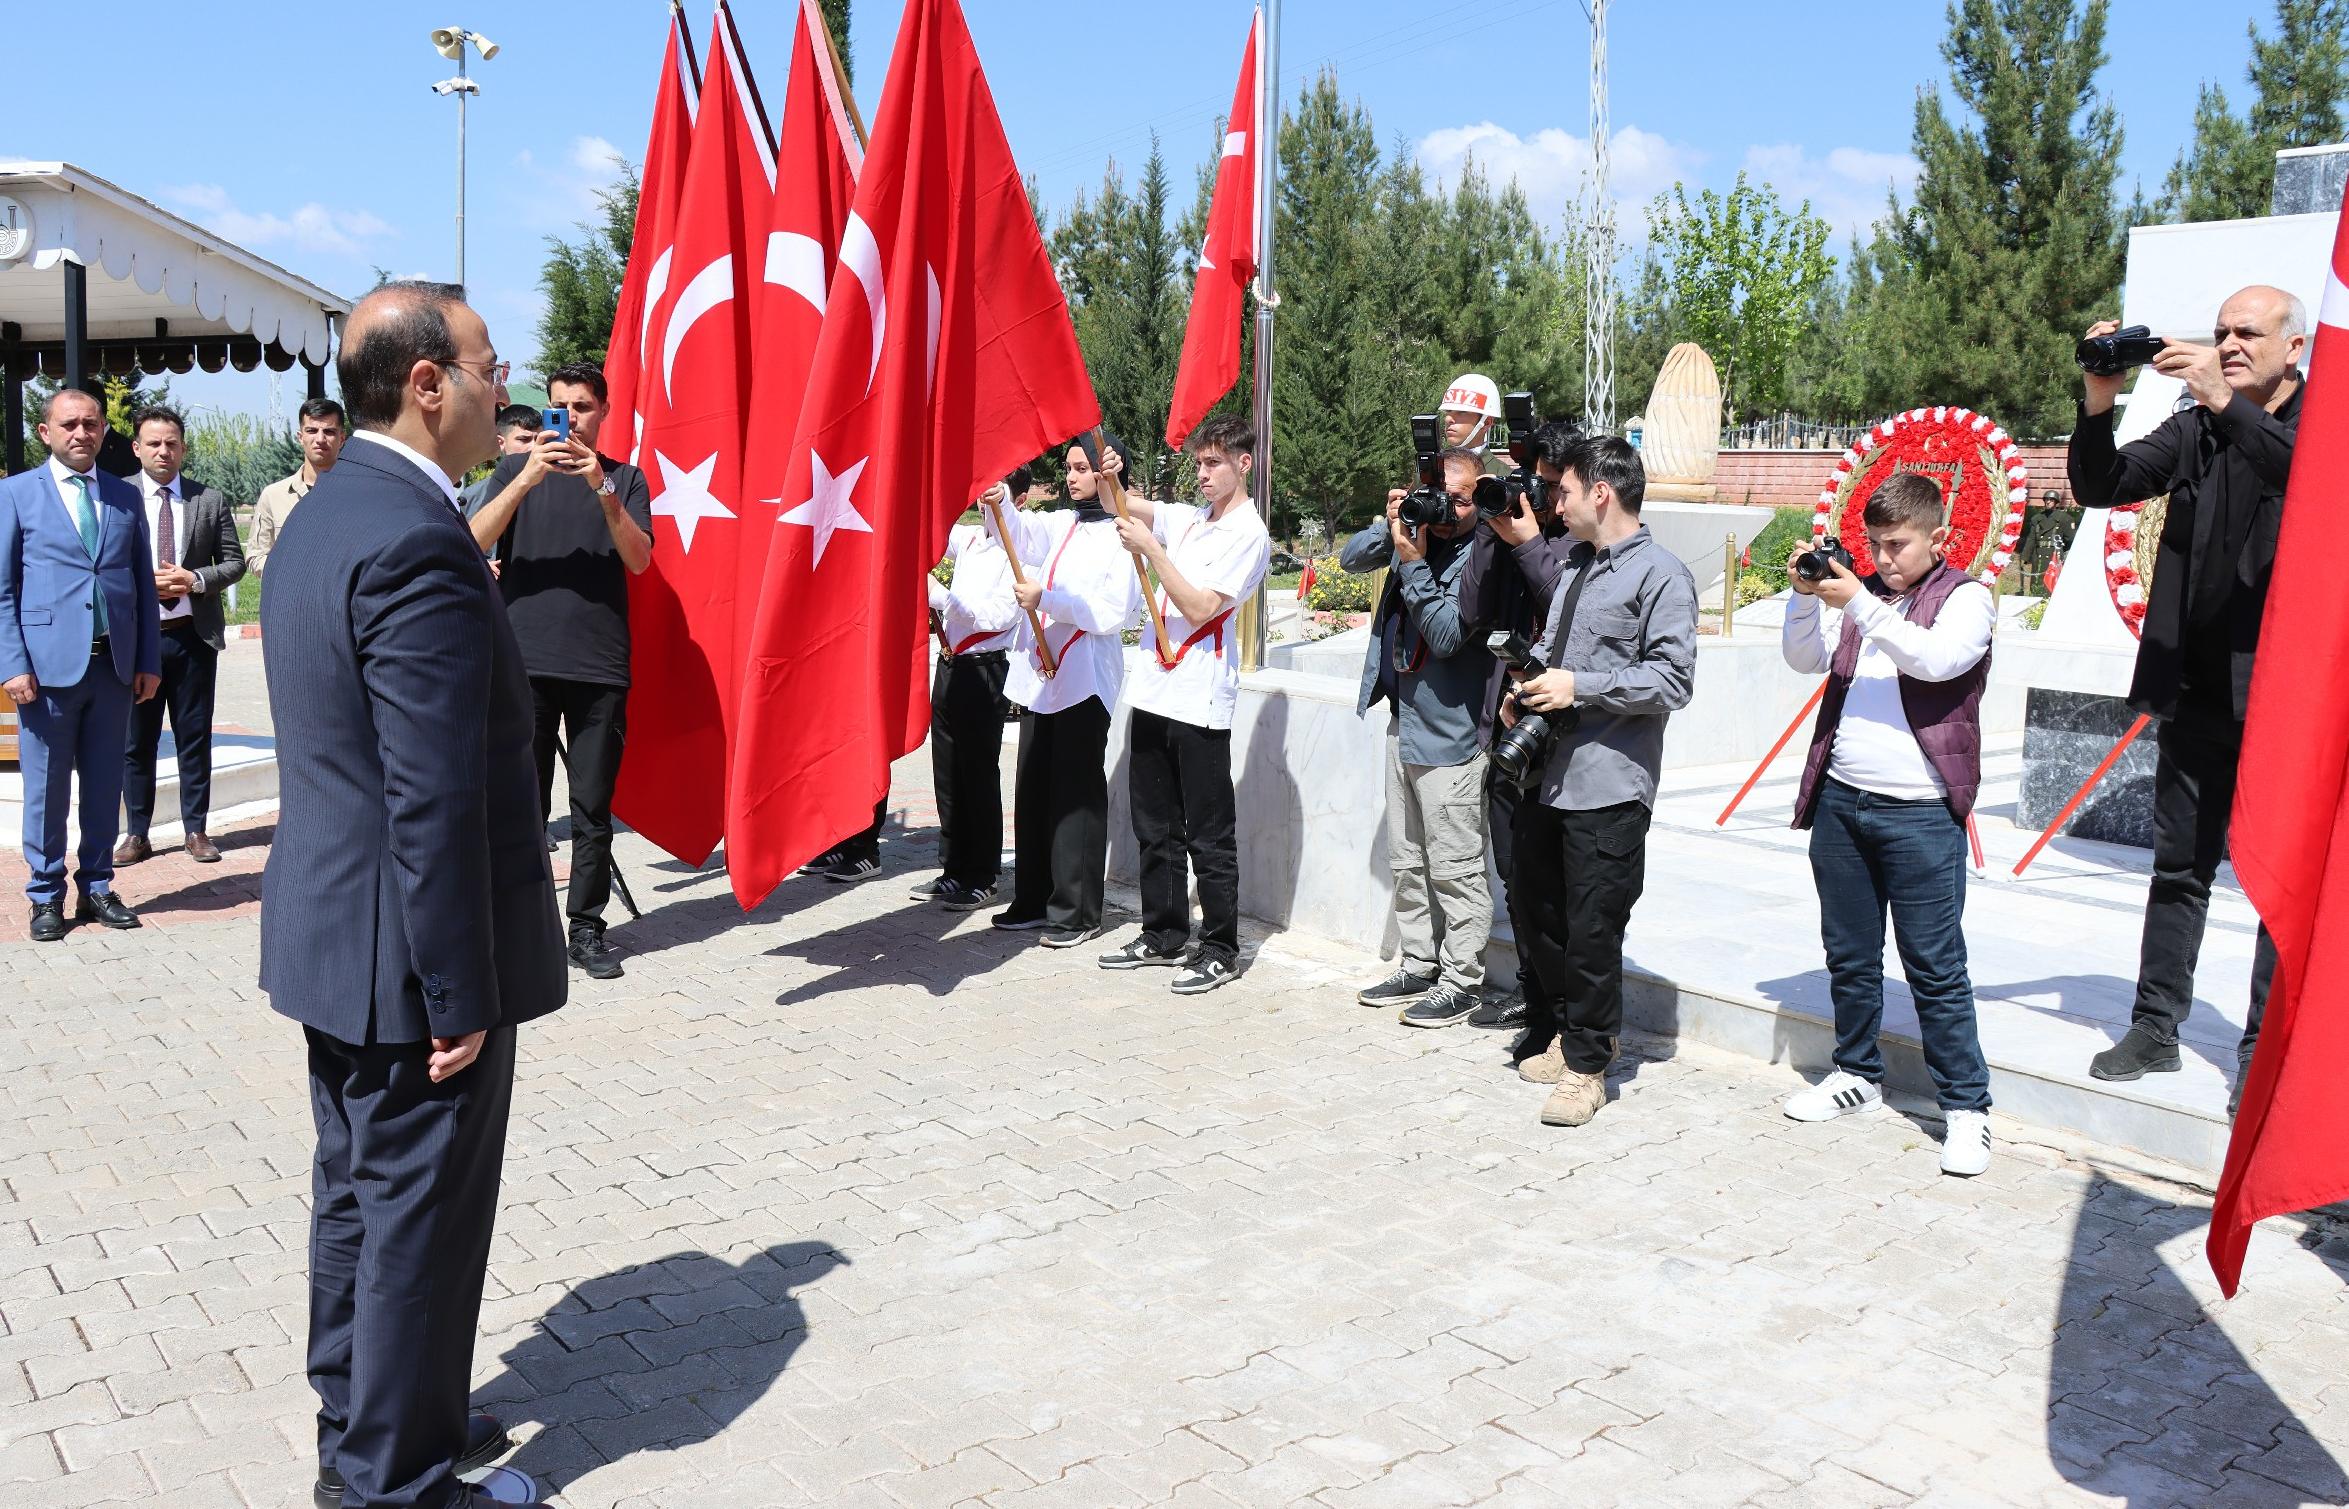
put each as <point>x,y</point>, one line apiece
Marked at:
<point>1427,503</point>
<point>1812,565</point>
<point>1518,753</point>
<point>1521,490</point>
<point>2111,355</point>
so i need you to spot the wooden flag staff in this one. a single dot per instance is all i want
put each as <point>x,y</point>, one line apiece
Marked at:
<point>1046,661</point>
<point>1098,447</point>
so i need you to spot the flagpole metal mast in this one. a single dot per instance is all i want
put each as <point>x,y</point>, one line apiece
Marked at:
<point>1268,122</point>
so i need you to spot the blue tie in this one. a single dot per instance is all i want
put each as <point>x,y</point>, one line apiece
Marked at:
<point>85,519</point>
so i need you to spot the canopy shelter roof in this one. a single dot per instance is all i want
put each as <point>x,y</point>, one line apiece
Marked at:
<point>95,279</point>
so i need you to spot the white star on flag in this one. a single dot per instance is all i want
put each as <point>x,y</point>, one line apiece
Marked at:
<point>686,497</point>
<point>830,506</point>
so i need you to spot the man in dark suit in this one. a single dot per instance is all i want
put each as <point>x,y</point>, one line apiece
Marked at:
<point>77,648</point>
<point>408,916</point>
<point>196,558</point>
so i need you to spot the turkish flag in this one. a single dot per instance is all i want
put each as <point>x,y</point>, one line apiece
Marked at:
<point>1227,264</point>
<point>693,396</point>
<point>2290,1149</point>
<point>946,359</point>
<point>657,189</point>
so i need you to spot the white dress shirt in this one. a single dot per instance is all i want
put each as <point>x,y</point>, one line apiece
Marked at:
<point>67,494</point>
<point>980,612</point>
<point>1875,749</point>
<point>1226,556</point>
<point>149,489</point>
<point>1091,597</point>
<point>430,468</point>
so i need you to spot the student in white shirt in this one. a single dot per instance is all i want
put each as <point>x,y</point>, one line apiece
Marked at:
<point>1082,581</point>
<point>976,621</point>
<point>1894,767</point>
<point>1208,559</point>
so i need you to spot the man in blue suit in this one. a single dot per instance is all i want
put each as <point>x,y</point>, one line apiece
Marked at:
<point>408,917</point>
<point>79,643</point>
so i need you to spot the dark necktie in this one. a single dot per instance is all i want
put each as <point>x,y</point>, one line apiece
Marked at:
<point>166,529</point>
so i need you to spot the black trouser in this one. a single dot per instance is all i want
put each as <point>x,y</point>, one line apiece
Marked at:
<point>403,1199</point>
<point>1501,801</point>
<point>593,719</point>
<point>865,844</point>
<point>1578,875</point>
<point>191,669</point>
<point>2193,800</point>
<point>966,765</point>
<point>1060,820</point>
<point>1179,789</point>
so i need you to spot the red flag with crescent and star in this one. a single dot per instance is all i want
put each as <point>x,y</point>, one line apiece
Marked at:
<point>946,359</point>
<point>1227,264</point>
<point>2290,835</point>
<point>694,395</point>
<point>657,190</point>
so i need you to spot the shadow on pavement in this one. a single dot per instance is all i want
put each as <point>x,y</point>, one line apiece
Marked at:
<point>2145,1388</point>
<point>655,1357</point>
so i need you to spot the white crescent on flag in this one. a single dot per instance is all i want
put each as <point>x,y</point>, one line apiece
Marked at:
<point>711,287</point>
<point>2335,309</point>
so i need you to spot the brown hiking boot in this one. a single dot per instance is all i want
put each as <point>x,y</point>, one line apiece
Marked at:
<point>1543,1068</point>
<point>1576,1100</point>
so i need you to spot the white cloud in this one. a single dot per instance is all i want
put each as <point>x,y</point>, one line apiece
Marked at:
<point>595,157</point>
<point>313,227</point>
<point>1847,188</point>
<point>1553,166</point>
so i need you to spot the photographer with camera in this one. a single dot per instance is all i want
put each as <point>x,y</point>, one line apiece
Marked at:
<point>1424,662</point>
<point>1895,762</point>
<point>2223,461</point>
<point>1621,634</point>
<point>1514,564</point>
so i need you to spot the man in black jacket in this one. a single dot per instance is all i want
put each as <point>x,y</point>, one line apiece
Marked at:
<point>2223,461</point>
<point>408,917</point>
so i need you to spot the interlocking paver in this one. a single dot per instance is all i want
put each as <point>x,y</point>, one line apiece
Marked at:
<point>853,1203</point>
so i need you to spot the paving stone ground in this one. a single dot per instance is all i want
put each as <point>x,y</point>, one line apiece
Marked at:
<point>853,1203</point>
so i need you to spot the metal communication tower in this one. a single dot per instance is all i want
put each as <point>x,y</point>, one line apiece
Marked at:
<point>1598,325</point>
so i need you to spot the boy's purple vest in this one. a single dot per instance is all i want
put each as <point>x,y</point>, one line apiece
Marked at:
<point>1944,715</point>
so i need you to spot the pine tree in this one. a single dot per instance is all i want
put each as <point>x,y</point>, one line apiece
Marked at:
<point>836,22</point>
<point>2299,83</point>
<point>2013,245</point>
<point>582,279</point>
<point>1121,266</point>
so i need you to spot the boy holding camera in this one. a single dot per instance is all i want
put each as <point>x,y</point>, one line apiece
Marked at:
<point>1894,765</point>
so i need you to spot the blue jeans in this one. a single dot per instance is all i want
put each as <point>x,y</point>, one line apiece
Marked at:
<point>1871,852</point>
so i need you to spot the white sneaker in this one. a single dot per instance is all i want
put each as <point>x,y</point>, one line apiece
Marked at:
<point>1839,1094</point>
<point>1965,1144</point>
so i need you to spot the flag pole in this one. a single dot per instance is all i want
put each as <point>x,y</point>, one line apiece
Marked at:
<point>856,117</point>
<point>1045,659</point>
<point>685,39</point>
<point>1268,131</point>
<point>743,80</point>
<point>1117,500</point>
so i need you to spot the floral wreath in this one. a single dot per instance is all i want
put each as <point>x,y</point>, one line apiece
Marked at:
<point>1983,527</point>
<point>2131,536</point>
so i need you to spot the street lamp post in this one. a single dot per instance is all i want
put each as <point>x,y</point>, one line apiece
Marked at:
<point>449,42</point>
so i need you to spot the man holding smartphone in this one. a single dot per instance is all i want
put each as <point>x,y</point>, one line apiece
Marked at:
<point>567,526</point>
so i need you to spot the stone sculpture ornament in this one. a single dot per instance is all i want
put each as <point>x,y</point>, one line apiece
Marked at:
<point>1681,446</point>
<point>1983,482</point>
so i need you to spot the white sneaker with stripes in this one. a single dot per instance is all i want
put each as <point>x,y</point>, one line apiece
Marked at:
<point>1965,1144</point>
<point>1839,1094</point>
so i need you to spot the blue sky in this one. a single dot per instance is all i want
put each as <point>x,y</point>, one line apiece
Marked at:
<point>308,132</point>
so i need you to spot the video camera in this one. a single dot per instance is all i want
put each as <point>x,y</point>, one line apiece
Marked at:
<point>1427,503</point>
<point>2111,355</point>
<point>1519,752</point>
<point>1522,489</point>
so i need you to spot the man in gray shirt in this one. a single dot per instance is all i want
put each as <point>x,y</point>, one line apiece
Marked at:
<point>1622,640</point>
<point>1424,661</point>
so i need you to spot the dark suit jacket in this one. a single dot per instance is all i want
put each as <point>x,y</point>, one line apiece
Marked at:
<point>215,554</point>
<point>407,895</point>
<point>2198,458</point>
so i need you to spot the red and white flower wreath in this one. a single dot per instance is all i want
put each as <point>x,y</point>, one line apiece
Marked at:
<point>1985,503</point>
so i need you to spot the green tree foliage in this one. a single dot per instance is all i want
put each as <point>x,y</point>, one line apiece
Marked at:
<point>238,455</point>
<point>836,22</point>
<point>2013,245</point>
<point>582,277</point>
<point>1122,267</point>
<point>2299,81</point>
<point>1745,275</point>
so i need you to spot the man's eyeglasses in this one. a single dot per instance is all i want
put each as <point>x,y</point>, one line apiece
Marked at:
<point>498,371</point>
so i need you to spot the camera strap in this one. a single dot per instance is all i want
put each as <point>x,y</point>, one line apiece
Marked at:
<point>1566,612</point>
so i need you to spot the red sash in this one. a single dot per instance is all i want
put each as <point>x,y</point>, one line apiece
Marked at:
<point>976,639</point>
<point>1212,629</point>
<point>1052,569</point>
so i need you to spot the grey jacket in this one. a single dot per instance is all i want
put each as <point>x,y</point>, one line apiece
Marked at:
<point>1439,686</point>
<point>214,553</point>
<point>1632,649</point>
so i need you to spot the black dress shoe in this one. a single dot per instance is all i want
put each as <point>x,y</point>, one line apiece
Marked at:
<point>485,1441</point>
<point>590,952</point>
<point>106,909</point>
<point>48,922</point>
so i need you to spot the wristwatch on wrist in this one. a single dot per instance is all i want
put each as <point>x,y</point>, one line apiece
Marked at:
<point>608,487</point>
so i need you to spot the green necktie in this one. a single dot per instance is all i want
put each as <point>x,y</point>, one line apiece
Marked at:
<point>85,518</point>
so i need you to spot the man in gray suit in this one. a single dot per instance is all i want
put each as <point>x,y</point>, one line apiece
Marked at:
<point>197,557</point>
